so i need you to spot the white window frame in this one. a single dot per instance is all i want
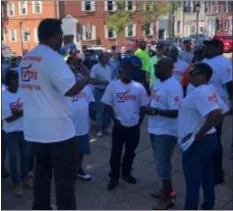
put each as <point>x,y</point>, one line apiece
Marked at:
<point>216,6</point>
<point>133,5</point>
<point>114,6</point>
<point>20,7</point>
<point>127,30</point>
<point>3,35</point>
<point>27,31</point>
<point>151,32</point>
<point>35,33</point>
<point>107,33</point>
<point>226,6</point>
<point>207,6</point>
<point>93,33</point>
<point>34,7</point>
<point>92,6</point>
<point>15,35</point>
<point>8,9</point>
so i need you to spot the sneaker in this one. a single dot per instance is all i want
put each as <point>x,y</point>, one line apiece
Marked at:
<point>84,176</point>
<point>129,179</point>
<point>99,134</point>
<point>17,191</point>
<point>164,203</point>
<point>112,185</point>
<point>28,183</point>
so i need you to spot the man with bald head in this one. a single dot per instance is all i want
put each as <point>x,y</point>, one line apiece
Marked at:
<point>166,95</point>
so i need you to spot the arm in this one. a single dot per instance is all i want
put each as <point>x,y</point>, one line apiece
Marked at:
<point>167,113</point>
<point>14,116</point>
<point>212,120</point>
<point>98,82</point>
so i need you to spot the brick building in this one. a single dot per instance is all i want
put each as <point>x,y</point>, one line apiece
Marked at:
<point>84,22</point>
<point>218,16</point>
<point>89,21</point>
<point>20,20</point>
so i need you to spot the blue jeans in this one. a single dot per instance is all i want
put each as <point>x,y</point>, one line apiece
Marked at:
<point>163,146</point>
<point>102,115</point>
<point>18,151</point>
<point>198,170</point>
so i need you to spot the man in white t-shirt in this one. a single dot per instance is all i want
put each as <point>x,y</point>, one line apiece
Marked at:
<point>124,99</point>
<point>199,113</point>
<point>222,82</point>
<point>180,66</point>
<point>46,81</point>
<point>101,75</point>
<point>166,95</point>
<point>187,54</point>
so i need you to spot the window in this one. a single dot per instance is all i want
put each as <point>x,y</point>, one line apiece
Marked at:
<point>130,30</point>
<point>10,9</point>
<point>193,29</point>
<point>130,5</point>
<point>148,31</point>
<point>226,24</point>
<point>178,27</point>
<point>3,35</point>
<point>25,35</point>
<point>88,6</point>
<point>226,7</point>
<point>110,6</point>
<point>207,6</point>
<point>89,32</point>
<point>36,35</point>
<point>187,6</point>
<point>23,7</point>
<point>194,5</point>
<point>216,6</point>
<point>12,35</point>
<point>37,7</point>
<point>110,33</point>
<point>201,29</point>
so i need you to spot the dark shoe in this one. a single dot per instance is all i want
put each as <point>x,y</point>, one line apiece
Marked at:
<point>112,185</point>
<point>129,179</point>
<point>5,174</point>
<point>164,203</point>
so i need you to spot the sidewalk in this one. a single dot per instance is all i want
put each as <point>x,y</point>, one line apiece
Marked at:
<point>93,195</point>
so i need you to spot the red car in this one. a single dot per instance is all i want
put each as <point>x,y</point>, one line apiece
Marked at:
<point>226,39</point>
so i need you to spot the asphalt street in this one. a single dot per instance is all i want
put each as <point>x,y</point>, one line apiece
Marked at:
<point>93,195</point>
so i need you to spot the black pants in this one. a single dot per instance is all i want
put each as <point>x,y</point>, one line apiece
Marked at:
<point>130,137</point>
<point>59,158</point>
<point>3,151</point>
<point>218,157</point>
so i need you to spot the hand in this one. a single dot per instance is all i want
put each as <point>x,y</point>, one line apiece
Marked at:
<point>199,137</point>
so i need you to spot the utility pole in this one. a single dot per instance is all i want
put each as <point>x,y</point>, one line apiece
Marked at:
<point>21,35</point>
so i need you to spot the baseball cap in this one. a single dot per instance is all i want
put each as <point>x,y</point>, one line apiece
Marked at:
<point>213,42</point>
<point>187,40</point>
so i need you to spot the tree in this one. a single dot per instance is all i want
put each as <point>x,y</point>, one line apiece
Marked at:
<point>120,19</point>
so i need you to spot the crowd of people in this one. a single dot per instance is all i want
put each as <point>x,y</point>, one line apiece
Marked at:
<point>52,103</point>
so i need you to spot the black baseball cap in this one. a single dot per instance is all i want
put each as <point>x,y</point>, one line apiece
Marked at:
<point>160,45</point>
<point>213,42</point>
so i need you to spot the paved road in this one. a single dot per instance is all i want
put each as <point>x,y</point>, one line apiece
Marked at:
<point>94,196</point>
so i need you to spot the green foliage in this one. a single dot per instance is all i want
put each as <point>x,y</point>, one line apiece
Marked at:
<point>120,19</point>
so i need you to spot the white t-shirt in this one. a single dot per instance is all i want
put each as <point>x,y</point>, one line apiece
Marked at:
<point>45,78</point>
<point>190,88</point>
<point>180,67</point>
<point>187,56</point>
<point>165,95</point>
<point>195,107</point>
<point>222,74</point>
<point>11,102</point>
<point>100,72</point>
<point>80,110</point>
<point>126,100</point>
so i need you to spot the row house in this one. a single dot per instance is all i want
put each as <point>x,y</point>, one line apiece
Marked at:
<point>218,16</point>
<point>20,21</point>
<point>82,21</point>
<point>86,21</point>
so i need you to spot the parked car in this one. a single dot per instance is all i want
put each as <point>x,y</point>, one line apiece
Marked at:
<point>226,39</point>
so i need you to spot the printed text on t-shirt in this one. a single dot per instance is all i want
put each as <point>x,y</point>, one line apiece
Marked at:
<point>125,96</point>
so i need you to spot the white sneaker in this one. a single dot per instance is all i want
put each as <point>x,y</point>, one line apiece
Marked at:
<point>99,134</point>
<point>84,176</point>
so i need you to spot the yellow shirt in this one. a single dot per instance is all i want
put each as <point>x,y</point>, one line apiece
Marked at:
<point>143,55</point>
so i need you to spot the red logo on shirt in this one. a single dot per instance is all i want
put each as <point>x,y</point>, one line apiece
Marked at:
<point>155,96</point>
<point>79,96</point>
<point>122,97</point>
<point>16,106</point>
<point>213,98</point>
<point>27,74</point>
